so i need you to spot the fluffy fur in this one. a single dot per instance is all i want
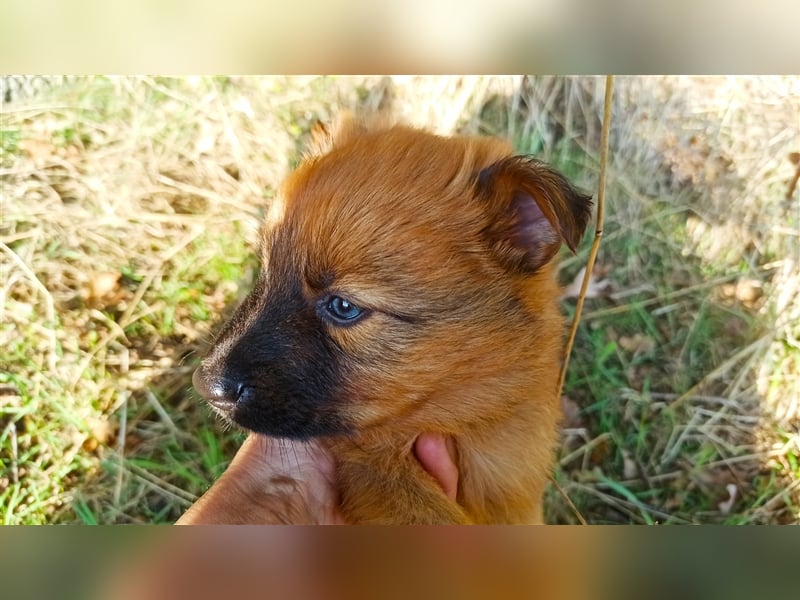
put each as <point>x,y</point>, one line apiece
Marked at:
<point>446,247</point>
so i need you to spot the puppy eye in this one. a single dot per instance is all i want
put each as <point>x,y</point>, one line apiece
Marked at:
<point>342,310</point>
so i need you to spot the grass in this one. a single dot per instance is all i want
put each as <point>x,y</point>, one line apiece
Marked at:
<point>129,213</point>
<point>671,374</point>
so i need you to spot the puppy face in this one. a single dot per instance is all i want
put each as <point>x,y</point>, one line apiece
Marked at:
<point>399,271</point>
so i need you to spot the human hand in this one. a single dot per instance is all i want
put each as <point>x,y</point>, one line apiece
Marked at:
<point>279,481</point>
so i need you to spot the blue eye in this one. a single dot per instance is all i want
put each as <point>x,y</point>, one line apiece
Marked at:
<point>342,310</point>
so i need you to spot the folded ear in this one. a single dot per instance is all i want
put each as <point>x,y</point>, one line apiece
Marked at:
<point>342,130</point>
<point>325,136</point>
<point>321,139</point>
<point>532,210</point>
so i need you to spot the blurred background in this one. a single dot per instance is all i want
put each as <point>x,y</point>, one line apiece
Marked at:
<point>130,207</point>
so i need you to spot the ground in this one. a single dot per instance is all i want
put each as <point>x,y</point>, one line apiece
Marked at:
<point>129,213</point>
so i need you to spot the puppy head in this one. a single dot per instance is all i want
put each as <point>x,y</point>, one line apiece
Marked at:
<point>396,268</point>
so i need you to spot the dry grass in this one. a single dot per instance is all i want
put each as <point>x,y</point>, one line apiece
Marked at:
<point>701,318</point>
<point>129,208</point>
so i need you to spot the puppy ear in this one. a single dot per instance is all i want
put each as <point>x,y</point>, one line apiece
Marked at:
<point>343,129</point>
<point>321,139</point>
<point>532,210</point>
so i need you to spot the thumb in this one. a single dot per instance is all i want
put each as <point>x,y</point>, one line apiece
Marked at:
<point>437,454</point>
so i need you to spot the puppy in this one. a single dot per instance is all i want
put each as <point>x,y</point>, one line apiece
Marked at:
<point>408,286</point>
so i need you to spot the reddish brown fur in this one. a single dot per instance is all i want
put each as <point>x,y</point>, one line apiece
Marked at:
<point>429,240</point>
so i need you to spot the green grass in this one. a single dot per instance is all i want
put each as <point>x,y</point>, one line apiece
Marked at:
<point>683,384</point>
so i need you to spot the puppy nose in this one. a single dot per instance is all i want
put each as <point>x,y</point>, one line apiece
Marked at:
<point>220,392</point>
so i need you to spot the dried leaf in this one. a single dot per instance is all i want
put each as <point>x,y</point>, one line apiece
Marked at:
<point>600,452</point>
<point>100,429</point>
<point>37,150</point>
<point>637,343</point>
<point>102,284</point>
<point>572,413</point>
<point>103,288</point>
<point>746,290</point>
